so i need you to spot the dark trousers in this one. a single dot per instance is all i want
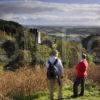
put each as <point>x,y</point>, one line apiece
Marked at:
<point>78,81</point>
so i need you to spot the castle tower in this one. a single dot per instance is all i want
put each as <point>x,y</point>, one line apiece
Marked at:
<point>37,35</point>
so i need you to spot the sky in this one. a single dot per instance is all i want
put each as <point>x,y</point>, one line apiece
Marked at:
<point>51,12</point>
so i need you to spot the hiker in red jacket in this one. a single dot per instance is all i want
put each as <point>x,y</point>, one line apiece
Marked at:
<point>81,74</point>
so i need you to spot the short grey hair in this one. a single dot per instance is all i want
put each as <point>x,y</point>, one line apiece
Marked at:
<point>84,55</point>
<point>54,52</point>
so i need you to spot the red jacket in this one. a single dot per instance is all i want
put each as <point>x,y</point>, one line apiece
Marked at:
<point>81,68</point>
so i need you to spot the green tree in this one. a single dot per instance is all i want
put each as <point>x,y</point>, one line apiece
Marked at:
<point>41,55</point>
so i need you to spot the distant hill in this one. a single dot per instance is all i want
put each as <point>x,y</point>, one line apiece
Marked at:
<point>84,30</point>
<point>10,27</point>
<point>96,43</point>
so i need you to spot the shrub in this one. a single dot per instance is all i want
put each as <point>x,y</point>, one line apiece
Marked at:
<point>41,54</point>
<point>9,47</point>
<point>70,52</point>
<point>22,82</point>
<point>24,57</point>
<point>90,58</point>
<point>25,81</point>
<point>3,57</point>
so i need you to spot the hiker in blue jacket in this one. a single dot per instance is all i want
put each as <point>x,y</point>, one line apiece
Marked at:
<point>55,76</point>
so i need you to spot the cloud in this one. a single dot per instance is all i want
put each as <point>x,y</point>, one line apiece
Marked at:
<point>44,13</point>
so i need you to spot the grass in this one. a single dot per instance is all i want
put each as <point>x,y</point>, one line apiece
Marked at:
<point>31,84</point>
<point>92,92</point>
<point>1,70</point>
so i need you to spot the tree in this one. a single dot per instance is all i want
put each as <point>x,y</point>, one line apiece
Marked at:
<point>41,55</point>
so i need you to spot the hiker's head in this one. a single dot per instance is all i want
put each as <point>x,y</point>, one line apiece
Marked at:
<point>54,53</point>
<point>83,56</point>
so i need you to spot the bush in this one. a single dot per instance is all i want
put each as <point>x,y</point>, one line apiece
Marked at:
<point>41,54</point>
<point>9,47</point>
<point>90,58</point>
<point>24,82</point>
<point>70,52</point>
<point>3,57</point>
<point>24,57</point>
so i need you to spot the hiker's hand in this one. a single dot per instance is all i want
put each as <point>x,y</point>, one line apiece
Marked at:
<point>62,77</point>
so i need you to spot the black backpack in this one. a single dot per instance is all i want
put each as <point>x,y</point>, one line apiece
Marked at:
<point>52,72</point>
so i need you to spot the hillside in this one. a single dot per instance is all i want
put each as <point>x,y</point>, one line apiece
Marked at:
<point>26,40</point>
<point>11,34</point>
<point>10,27</point>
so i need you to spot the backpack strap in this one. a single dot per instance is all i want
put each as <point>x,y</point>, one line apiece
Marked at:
<point>55,62</point>
<point>49,62</point>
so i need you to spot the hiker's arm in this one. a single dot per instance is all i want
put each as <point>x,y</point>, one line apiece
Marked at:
<point>61,68</point>
<point>76,69</point>
<point>47,64</point>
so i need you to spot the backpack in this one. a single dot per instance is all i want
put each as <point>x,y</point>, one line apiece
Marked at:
<point>52,72</point>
